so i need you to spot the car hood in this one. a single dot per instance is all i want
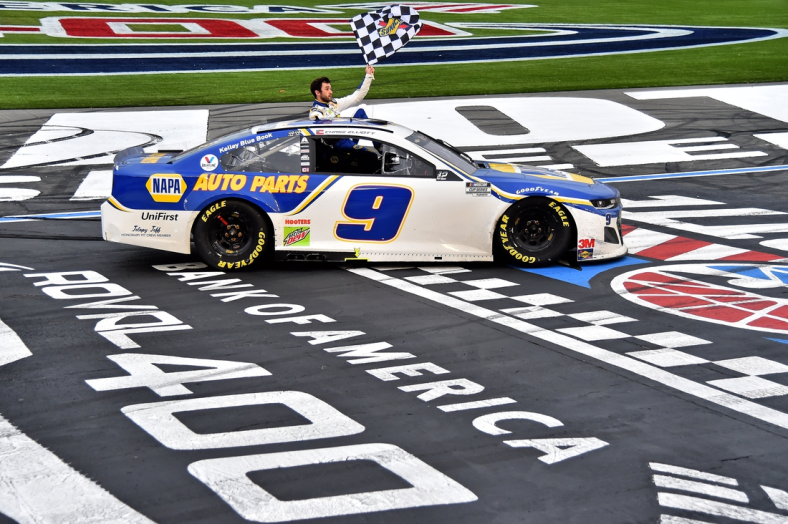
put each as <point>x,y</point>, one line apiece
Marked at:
<point>532,181</point>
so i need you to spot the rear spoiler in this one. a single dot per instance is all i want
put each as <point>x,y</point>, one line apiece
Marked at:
<point>130,151</point>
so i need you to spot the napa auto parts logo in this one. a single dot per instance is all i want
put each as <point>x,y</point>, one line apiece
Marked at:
<point>125,23</point>
<point>166,187</point>
<point>708,292</point>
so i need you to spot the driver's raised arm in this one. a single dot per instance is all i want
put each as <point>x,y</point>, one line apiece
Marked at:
<point>360,92</point>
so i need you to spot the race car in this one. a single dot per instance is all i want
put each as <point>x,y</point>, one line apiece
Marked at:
<point>354,189</point>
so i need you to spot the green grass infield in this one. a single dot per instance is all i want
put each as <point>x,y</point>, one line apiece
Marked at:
<point>764,61</point>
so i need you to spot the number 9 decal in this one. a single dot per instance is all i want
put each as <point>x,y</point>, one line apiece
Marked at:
<point>375,213</point>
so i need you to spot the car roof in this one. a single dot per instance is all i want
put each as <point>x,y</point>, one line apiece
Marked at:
<point>361,123</point>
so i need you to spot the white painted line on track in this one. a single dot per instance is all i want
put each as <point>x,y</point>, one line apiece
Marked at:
<point>690,174</point>
<point>36,487</point>
<point>692,473</point>
<point>689,387</point>
<point>663,481</point>
<point>52,216</point>
<point>96,186</point>
<point>719,509</point>
<point>500,401</point>
<point>11,346</point>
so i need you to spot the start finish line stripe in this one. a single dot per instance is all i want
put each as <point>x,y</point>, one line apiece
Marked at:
<point>717,172</point>
<point>648,371</point>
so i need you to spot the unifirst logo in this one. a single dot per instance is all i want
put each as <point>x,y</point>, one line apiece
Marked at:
<point>166,188</point>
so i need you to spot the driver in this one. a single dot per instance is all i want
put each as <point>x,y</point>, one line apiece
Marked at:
<point>326,107</point>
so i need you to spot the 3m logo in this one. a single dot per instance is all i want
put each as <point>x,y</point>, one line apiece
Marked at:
<point>585,243</point>
<point>166,188</point>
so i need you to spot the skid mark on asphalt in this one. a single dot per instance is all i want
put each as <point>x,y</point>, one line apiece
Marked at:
<point>649,371</point>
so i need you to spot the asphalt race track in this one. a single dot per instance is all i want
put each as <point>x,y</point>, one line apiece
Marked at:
<point>649,389</point>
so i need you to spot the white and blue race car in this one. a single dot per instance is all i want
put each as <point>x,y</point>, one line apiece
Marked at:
<point>354,189</point>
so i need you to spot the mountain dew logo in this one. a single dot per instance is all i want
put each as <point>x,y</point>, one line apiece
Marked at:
<point>296,236</point>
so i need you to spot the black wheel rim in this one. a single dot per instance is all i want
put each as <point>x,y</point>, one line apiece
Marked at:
<point>230,233</point>
<point>533,230</point>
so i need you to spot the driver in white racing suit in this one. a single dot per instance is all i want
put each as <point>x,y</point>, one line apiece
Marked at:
<point>326,107</point>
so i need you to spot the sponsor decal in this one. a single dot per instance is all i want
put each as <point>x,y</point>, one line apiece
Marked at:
<point>209,162</point>
<point>280,183</point>
<point>537,189</point>
<point>261,184</point>
<point>390,26</point>
<point>334,159</point>
<point>704,298</point>
<point>585,254</point>
<point>161,215</point>
<point>297,221</point>
<point>585,248</point>
<point>296,236</point>
<point>166,187</point>
<point>477,188</point>
<point>148,232</point>
<point>223,182</point>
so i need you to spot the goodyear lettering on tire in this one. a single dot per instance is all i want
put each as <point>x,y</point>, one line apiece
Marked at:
<point>251,258</point>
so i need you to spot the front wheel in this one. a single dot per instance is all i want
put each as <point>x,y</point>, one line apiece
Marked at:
<point>534,232</point>
<point>231,235</point>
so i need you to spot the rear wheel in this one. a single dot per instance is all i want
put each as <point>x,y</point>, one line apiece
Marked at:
<point>232,235</point>
<point>534,232</point>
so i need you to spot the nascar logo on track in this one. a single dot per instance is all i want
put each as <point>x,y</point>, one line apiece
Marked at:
<point>166,188</point>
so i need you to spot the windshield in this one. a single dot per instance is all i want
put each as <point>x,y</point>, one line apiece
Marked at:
<point>446,152</point>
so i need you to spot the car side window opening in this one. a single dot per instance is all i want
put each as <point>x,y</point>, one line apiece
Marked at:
<point>280,155</point>
<point>446,152</point>
<point>366,157</point>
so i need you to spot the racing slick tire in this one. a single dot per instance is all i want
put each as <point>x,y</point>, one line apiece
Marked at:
<point>533,232</point>
<point>232,235</point>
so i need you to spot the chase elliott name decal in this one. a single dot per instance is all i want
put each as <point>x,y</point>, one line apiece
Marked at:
<point>558,41</point>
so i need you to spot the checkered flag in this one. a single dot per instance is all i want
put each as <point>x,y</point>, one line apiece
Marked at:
<point>381,33</point>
